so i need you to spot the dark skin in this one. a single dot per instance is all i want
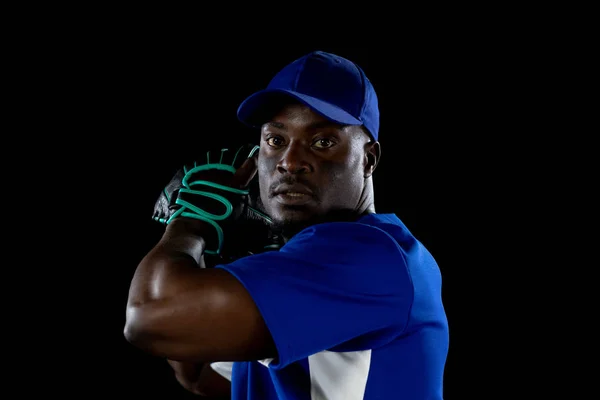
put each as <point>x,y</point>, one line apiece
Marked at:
<point>324,168</point>
<point>308,168</point>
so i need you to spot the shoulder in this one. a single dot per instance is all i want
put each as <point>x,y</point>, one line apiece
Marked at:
<point>373,229</point>
<point>353,258</point>
<point>345,243</point>
<point>343,233</point>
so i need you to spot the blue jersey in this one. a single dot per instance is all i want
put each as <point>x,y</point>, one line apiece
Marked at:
<point>355,311</point>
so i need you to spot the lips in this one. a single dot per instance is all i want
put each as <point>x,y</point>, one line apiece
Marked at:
<point>292,190</point>
<point>293,195</point>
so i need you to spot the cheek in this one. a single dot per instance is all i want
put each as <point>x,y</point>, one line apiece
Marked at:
<point>264,168</point>
<point>265,163</point>
<point>263,184</point>
<point>336,178</point>
<point>345,181</point>
<point>264,181</point>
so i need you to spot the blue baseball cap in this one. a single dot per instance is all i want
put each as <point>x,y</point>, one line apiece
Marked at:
<point>331,85</point>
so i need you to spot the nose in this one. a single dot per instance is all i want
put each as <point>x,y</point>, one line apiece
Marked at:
<point>294,160</point>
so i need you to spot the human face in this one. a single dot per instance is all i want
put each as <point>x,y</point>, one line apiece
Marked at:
<point>309,167</point>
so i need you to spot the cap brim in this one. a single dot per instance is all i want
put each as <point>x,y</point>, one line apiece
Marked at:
<point>257,106</point>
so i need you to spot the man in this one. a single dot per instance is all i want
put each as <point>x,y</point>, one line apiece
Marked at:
<point>348,308</point>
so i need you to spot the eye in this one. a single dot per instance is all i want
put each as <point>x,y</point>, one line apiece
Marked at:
<point>274,141</point>
<point>323,143</point>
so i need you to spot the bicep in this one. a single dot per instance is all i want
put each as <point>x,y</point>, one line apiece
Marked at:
<point>213,318</point>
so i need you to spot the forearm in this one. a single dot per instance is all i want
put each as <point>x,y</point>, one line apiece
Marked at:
<point>180,311</point>
<point>162,273</point>
<point>165,274</point>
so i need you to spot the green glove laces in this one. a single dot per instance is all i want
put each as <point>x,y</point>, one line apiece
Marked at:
<point>194,187</point>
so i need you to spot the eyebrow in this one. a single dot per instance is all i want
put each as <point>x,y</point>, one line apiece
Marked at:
<point>313,126</point>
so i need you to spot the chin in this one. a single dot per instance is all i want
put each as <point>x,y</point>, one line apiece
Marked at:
<point>290,221</point>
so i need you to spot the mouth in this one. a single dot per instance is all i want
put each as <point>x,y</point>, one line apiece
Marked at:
<point>293,195</point>
<point>293,198</point>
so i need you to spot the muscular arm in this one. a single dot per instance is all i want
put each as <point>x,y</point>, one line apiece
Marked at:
<point>183,312</point>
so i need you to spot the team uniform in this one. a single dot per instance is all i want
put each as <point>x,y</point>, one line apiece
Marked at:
<point>355,311</point>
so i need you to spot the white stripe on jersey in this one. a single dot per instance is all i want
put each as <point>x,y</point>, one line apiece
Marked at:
<point>339,376</point>
<point>333,375</point>
<point>223,368</point>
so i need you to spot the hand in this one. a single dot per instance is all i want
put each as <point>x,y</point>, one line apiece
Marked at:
<point>166,207</point>
<point>221,190</point>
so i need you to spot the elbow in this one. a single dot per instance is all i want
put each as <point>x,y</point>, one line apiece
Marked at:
<point>134,330</point>
<point>130,334</point>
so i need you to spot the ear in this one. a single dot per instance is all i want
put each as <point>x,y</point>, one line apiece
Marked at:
<point>372,155</point>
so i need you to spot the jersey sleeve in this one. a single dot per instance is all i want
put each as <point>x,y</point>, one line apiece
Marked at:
<point>332,285</point>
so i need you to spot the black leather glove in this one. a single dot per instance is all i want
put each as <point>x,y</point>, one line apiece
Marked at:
<point>196,191</point>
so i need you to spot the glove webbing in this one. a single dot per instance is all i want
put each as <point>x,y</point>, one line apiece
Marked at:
<point>192,211</point>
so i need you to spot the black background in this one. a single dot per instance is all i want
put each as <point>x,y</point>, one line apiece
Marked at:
<point>177,102</point>
<point>124,109</point>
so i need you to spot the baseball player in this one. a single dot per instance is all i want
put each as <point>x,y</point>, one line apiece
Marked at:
<point>275,277</point>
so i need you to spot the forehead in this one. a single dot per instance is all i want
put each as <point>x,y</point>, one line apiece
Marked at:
<point>292,116</point>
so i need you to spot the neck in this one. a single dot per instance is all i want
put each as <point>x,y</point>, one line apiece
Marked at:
<point>366,204</point>
<point>288,229</point>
